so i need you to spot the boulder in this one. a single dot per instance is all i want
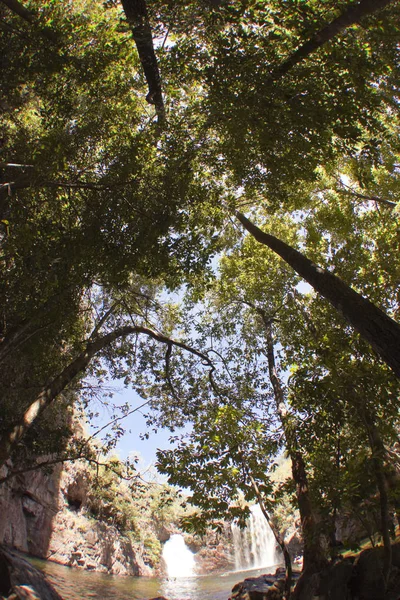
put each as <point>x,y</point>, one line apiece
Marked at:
<point>353,579</point>
<point>19,579</point>
<point>368,581</point>
<point>264,587</point>
<point>336,584</point>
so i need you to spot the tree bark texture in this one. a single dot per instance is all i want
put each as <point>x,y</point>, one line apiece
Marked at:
<point>375,326</point>
<point>137,17</point>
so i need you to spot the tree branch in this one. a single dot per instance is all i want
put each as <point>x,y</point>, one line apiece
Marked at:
<point>350,16</point>
<point>50,392</point>
<point>374,325</point>
<point>19,9</point>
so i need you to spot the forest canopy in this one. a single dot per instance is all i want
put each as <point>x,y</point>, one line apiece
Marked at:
<point>228,151</point>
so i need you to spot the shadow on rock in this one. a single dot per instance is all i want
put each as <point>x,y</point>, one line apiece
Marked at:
<point>18,579</point>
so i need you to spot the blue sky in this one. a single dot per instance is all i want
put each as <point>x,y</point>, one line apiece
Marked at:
<point>134,425</point>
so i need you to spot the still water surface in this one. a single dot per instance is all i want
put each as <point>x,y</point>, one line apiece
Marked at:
<point>74,584</point>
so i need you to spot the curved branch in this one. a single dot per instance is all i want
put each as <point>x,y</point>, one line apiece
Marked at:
<point>50,392</point>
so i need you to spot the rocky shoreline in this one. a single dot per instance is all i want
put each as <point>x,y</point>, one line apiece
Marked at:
<point>39,515</point>
<point>269,586</point>
<point>46,516</point>
<point>354,578</point>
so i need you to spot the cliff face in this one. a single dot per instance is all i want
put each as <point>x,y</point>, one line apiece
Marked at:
<point>28,505</point>
<point>45,516</point>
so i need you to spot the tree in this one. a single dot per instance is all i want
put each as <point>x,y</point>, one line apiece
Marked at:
<point>111,327</point>
<point>373,324</point>
<point>273,107</point>
<point>351,390</point>
<point>243,309</point>
<point>260,305</point>
<point>254,64</point>
<point>87,199</point>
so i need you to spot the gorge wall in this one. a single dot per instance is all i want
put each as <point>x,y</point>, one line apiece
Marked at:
<point>45,515</point>
<point>48,516</point>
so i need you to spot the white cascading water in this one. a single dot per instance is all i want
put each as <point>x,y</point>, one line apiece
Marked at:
<point>179,560</point>
<point>254,546</point>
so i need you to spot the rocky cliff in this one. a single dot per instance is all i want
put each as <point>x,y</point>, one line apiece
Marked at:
<point>58,517</point>
<point>62,517</point>
<point>46,516</point>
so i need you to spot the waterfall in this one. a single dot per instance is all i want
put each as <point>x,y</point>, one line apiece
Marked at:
<point>254,546</point>
<point>179,560</point>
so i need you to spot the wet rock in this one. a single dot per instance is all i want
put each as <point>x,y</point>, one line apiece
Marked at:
<point>213,556</point>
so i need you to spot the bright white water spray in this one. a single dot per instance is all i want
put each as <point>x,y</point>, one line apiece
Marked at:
<point>254,546</point>
<point>179,560</point>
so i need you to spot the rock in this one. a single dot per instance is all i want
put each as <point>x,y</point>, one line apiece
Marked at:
<point>76,491</point>
<point>368,579</point>
<point>349,579</point>
<point>18,579</point>
<point>44,515</point>
<point>280,573</point>
<point>293,540</point>
<point>216,556</point>
<point>350,530</point>
<point>336,585</point>
<point>24,592</point>
<point>307,587</point>
<point>27,507</point>
<point>265,587</point>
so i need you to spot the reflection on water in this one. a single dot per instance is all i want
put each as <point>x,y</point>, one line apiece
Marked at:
<point>74,584</point>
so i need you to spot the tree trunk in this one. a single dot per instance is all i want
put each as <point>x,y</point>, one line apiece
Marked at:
<point>313,553</point>
<point>279,539</point>
<point>378,459</point>
<point>351,15</point>
<point>375,326</point>
<point>137,17</point>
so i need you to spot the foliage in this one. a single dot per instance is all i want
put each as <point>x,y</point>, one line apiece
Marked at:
<point>138,509</point>
<point>217,462</point>
<point>103,208</point>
